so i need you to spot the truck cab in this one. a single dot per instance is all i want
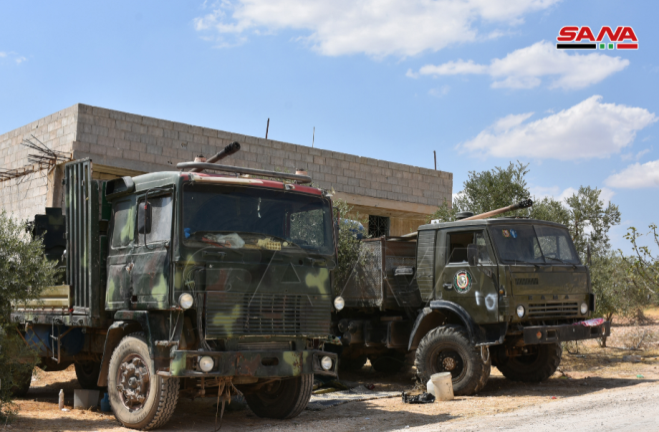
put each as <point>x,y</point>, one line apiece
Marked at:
<point>501,291</point>
<point>192,284</point>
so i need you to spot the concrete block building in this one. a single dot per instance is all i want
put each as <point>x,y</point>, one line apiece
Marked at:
<point>396,197</point>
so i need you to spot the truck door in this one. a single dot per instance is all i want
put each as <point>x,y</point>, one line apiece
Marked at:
<point>117,294</point>
<point>469,276</point>
<point>150,261</point>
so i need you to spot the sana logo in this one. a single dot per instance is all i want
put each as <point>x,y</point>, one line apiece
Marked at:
<point>584,38</point>
<point>462,281</point>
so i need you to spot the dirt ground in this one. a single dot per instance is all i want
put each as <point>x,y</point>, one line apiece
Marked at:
<point>590,378</point>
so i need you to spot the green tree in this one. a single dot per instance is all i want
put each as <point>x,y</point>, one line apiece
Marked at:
<point>347,244</point>
<point>24,273</point>
<point>487,190</point>
<point>644,264</point>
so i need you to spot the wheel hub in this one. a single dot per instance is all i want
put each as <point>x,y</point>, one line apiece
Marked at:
<point>133,382</point>
<point>449,363</point>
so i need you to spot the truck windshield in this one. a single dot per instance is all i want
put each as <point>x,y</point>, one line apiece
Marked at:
<point>240,217</point>
<point>533,244</point>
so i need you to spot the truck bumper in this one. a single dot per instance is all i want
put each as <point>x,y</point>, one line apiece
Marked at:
<point>260,364</point>
<point>563,333</point>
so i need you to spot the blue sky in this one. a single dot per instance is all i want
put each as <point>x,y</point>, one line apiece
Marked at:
<point>478,81</point>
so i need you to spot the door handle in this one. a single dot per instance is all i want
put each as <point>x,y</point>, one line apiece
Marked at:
<point>448,286</point>
<point>130,266</point>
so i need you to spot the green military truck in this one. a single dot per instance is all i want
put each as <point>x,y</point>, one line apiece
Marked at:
<point>467,295</point>
<point>188,284</point>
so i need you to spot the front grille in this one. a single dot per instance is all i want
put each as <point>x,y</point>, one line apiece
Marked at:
<point>240,314</point>
<point>546,310</point>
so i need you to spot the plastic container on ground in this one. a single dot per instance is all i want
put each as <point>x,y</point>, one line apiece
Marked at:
<point>441,386</point>
<point>84,399</point>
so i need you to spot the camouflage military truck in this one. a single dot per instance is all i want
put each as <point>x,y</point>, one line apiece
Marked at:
<point>188,284</point>
<point>467,295</point>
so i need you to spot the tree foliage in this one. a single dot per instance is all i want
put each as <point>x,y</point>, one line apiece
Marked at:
<point>487,190</point>
<point>347,245</point>
<point>644,264</point>
<point>24,273</point>
<point>586,216</point>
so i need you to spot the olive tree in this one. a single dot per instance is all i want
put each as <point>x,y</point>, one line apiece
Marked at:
<point>644,264</point>
<point>349,252</point>
<point>24,273</point>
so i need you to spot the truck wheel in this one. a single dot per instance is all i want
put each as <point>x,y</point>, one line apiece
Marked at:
<point>87,373</point>
<point>536,366</point>
<point>352,364</point>
<point>447,349</point>
<point>140,399</point>
<point>22,381</point>
<point>283,399</point>
<point>389,362</point>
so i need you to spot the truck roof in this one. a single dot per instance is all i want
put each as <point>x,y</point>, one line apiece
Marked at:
<point>485,222</point>
<point>163,178</point>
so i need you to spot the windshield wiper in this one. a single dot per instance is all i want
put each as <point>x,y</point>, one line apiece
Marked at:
<point>555,259</point>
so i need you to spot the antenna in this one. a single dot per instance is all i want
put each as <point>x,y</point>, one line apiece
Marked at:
<point>435,154</point>
<point>266,128</point>
<point>313,138</point>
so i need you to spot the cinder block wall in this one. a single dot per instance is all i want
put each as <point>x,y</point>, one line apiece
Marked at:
<point>25,196</point>
<point>148,144</point>
<point>144,144</point>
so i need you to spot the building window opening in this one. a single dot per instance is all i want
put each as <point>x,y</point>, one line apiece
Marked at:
<point>378,226</point>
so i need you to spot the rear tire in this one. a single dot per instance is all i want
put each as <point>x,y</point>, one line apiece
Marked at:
<point>532,368</point>
<point>447,349</point>
<point>390,362</point>
<point>140,399</point>
<point>282,399</point>
<point>87,374</point>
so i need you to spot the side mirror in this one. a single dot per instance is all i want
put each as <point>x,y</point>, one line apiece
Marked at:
<point>144,217</point>
<point>472,254</point>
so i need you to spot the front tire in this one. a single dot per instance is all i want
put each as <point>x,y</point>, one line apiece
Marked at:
<point>140,399</point>
<point>87,374</point>
<point>283,399</point>
<point>447,349</point>
<point>537,366</point>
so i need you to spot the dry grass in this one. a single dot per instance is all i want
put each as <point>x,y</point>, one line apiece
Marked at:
<point>587,369</point>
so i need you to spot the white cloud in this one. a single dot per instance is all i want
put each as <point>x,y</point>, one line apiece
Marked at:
<point>20,60</point>
<point>525,68</point>
<point>636,176</point>
<point>439,92</point>
<point>373,27</point>
<point>12,56</point>
<point>3,54</point>
<point>637,156</point>
<point>590,129</point>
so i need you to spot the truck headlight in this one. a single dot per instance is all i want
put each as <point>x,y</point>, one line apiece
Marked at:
<point>186,301</point>
<point>206,363</point>
<point>339,303</point>
<point>326,363</point>
<point>520,311</point>
<point>584,308</point>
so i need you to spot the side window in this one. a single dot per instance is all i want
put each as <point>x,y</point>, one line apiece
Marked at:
<point>459,243</point>
<point>124,224</point>
<point>161,220</point>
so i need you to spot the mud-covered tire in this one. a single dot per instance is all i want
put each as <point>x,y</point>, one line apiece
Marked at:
<point>535,367</point>
<point>162,395</point>
<point>447,349</point>
<point>282,399</point>
<point>354,364</point>
<point>21,385</point>
<point>389,363</point>
<point>87,374</point>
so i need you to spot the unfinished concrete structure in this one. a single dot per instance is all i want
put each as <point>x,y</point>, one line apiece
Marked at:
<point>396,197</point>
